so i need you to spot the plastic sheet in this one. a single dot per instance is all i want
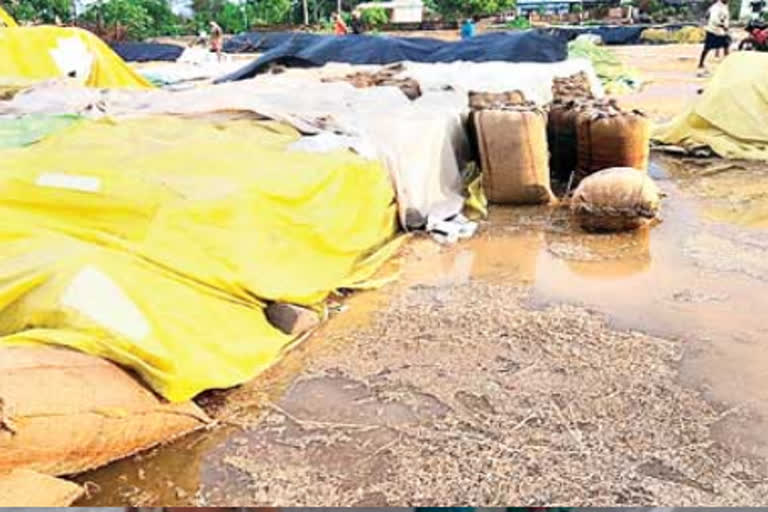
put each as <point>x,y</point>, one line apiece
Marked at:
<point>32,54</point>
<point>316,50</point>
<point>154,242</point>
<point>731,116</point>
<point>6,20</point>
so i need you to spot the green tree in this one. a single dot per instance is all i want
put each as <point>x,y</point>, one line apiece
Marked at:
<point>137,19</point>
<point>240,18</point>
<point>375,17</point>
<point>39,11</point>
<point>455,9</point>
<point>270,12</point>
<point>128,15</point>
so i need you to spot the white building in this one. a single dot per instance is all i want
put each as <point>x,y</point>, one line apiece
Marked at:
<point>401,11</point>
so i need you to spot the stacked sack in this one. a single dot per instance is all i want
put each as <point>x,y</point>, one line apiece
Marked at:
<point>514,154</point>
<point>591,135</point>
<point>495,100</point>
<point>594,144</point>
<point>98,413</point>
<point>572,88</point>
<point>608,136</point>
<point>562,136</point>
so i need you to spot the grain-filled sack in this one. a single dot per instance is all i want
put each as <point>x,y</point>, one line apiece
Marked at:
<point>64,412</point>
<point>562,138</point>
<point>609,137</point>
<point>495,100</point>
<point>514,155</point>
<point>617,199</point>
<point>574,87</point>
<point>23,488</point>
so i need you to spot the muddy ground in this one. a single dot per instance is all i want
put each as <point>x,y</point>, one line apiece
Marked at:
<point>532,364</point>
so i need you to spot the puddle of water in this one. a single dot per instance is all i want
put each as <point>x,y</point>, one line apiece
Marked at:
<point>688,278</point>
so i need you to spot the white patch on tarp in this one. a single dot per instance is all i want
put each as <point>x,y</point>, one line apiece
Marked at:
<point>73,58</point>
<point>69,181</point>
<point>97,296</point>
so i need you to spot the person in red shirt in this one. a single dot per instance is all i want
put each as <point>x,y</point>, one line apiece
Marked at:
<point>339,26</point>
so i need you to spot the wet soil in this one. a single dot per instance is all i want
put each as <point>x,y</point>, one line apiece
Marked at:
<point>533,363</point>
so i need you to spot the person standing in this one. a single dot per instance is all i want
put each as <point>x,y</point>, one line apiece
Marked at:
<point>467,29</point>
<point>339,26</point>
<point>357,23</point>
<point>717,32</point>
<point>217,39</point>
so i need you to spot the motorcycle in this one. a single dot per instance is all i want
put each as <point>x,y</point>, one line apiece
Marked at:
<point>757,38</point>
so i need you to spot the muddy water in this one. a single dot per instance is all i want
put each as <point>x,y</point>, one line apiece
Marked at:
<point>701,276</point>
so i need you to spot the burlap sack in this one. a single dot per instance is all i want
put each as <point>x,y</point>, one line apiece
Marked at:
<point>616,199</point>
<point>562,138</point>
<point>63,412</point>
<point>612,138</point>
<point>514,156</point>
<point>574,87</point>
<point>23,488</point>
<point>492,100</point>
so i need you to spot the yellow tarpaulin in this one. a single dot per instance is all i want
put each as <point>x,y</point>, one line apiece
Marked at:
<point>5,19</point>
<point>153,242</point>
<point>731,116</point>
<point>32,54</point>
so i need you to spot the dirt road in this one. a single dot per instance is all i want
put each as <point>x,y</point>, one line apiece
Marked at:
<point>533,364</point>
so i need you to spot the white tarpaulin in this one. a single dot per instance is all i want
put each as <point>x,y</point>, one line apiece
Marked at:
<point>422,142</point>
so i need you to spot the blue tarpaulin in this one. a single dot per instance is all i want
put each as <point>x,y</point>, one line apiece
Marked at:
<point>302,49</point>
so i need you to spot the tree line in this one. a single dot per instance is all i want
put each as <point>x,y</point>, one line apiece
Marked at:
<point>140,19</point>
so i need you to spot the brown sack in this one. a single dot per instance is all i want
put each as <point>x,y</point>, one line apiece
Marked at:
<point>574,87</point>
<point>64,412</point>
<point>493,100</point>
<point>514,156</point>
<point>562,138</point>
<point>22,488</point>
<point>612,139</point>
<point>616,199</point>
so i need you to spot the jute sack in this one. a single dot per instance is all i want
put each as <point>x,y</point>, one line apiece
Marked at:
<point>63,412</point>
<point>618,199</point>
<point>479,100</point>
<point>492,100</point>
<point>612,138</point>
<point>514,155</point>
<point>23,488</point>
<point>574,87</point>
<point>562,137</point>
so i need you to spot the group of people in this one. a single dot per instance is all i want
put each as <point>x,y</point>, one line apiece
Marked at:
<point>356,25</point>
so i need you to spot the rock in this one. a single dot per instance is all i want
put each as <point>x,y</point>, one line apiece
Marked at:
<point>291,319</point>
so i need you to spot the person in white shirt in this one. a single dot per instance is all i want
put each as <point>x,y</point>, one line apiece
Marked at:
<point>717,31</point>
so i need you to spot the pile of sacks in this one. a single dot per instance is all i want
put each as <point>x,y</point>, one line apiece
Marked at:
<point>382,78</point>
<point>98,413</point>
<point>593,145</point>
